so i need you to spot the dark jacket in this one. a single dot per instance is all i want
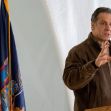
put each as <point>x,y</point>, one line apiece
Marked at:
<point>91,85</point>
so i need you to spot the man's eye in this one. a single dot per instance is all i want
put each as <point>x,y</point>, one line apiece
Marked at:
<point>102,23</point>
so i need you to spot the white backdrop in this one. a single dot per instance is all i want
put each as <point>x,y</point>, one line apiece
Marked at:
<point>44,31</point>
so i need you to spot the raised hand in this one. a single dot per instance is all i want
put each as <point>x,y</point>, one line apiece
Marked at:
<point>103,56</point>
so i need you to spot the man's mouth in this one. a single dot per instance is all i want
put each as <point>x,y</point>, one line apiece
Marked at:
<point>107,34</point>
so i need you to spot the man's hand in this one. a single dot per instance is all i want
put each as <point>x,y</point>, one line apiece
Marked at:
<point>103,56</point>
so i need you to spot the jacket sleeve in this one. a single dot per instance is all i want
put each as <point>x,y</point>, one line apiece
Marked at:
<point>78,74</point>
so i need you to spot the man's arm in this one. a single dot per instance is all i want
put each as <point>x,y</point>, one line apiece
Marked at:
<point>76,74</point>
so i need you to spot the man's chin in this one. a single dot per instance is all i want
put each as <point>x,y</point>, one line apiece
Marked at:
<point>107,38</point>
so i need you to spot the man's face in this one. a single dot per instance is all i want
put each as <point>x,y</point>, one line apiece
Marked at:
<point>101,28</point>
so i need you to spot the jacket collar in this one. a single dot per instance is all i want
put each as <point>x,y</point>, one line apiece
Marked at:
<point>93,41</point>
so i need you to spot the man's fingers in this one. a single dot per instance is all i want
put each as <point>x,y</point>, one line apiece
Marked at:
<point>104,44</point>
<point>105,48</point>
<point>103,56</point>
<point>109,58</point>
<point>105,59</point>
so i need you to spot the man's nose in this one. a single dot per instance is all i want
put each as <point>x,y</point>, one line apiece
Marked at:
<point>108,27</point>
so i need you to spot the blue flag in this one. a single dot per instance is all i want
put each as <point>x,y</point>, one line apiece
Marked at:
<point>11,89</point>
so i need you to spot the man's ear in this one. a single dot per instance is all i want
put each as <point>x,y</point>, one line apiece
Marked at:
<point>92,25</point>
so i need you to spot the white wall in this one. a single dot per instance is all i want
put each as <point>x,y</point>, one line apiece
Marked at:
<point>38,57</point>
<point>71,23</point>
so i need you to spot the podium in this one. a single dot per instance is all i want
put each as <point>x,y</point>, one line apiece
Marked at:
<point>104,108</point>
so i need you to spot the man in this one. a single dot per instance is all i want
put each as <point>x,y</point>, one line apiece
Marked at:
<point>88,68</point>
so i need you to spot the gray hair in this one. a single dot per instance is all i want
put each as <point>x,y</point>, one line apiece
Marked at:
<point>98,11</point>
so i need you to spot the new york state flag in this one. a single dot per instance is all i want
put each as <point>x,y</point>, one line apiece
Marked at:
<point>11,89</point>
